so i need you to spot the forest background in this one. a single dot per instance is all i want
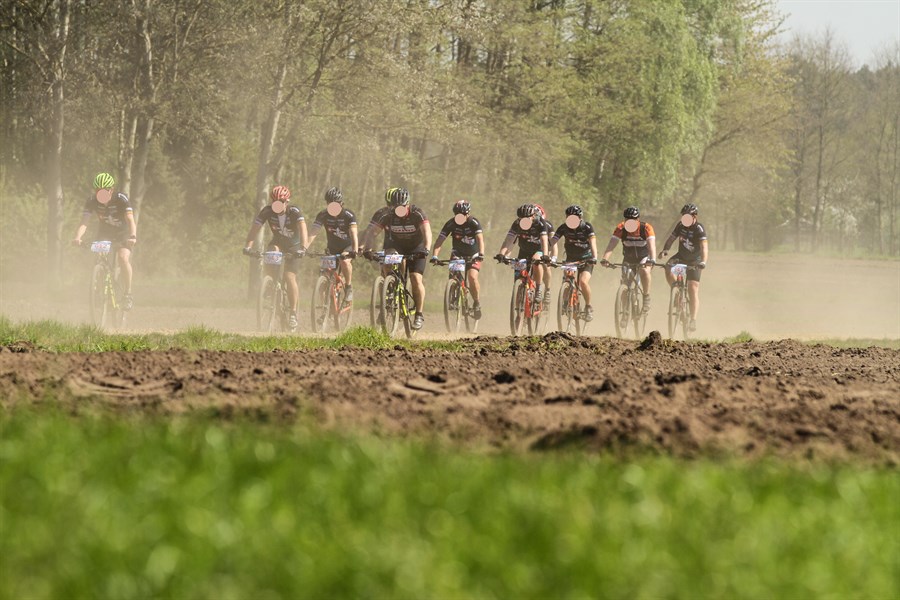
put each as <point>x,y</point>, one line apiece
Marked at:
<point>199,106</point>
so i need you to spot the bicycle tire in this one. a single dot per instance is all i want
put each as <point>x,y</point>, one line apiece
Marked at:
<point>622,312</point>
<point>517,307</point>
<point>639,318</point>
<point>344,309</point>
<point>452,316</point>
<point>265,305</point>
<point>467,309</point>
<point>674,311</point>
<point>319,305</point>
<point>376,317</point>
<point>406,314</point>
<point>97,304</point>
<point>686,311</point>
<point>564,314</point>
<point>578,311</point>
<point>390,308</point>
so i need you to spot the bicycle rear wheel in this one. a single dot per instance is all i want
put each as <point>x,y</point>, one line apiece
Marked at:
<point>390,304</point>
<point>266,305</point>
<point>452,305</point>
<point>517,307</point>
<point>376,318</point>
<point>97,299</point>
<point>321,300</point>
<point>622,314</point>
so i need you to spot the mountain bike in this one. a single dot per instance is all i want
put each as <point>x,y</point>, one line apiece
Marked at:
<point>376,319</point>
<point>329,309</point>
<point>629,304</point>
<point>570,309</point>
<point>679,301</point>
<point>458,305</point>
<point>523,310</point>
<point>397,302</point>
<point>106,295</point>
<point>273,309</point>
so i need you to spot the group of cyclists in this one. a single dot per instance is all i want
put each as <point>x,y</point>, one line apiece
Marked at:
<point>407,231</point>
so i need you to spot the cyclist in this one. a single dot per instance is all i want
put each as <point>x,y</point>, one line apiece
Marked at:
<point>341,233</point>
<point>548,272</point>
<point>288,235</point>
<point>581,244</point>
<point>693,249</point>
<point>116,224</point>
<point>638,248</point>
<point>368,236</point>
<point>468,243</point>
<point>407,231</point>
<point>531,234</point>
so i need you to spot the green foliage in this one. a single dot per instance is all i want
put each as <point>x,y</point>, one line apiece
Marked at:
<point>191,508</point>
<point>740,338</point>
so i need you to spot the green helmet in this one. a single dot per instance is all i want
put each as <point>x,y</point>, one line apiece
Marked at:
<point>387,195</point>
<point>103,181</point>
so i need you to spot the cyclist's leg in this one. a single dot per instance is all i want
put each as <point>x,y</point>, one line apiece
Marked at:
<point>584,282</point>
<point>125,269</point>
<point>645,272</point>
<point>417,285</point>
<point>291,267</point>
<point>693,285</point>
<point>474,282</point>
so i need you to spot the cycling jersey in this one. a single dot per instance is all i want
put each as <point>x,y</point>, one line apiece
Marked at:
<point>113,225</point>
<point>403,232</point>
<point>689,239</point>
<point>285,227</point>
<point>529,240</point>
<point>337,229</point>
<point>465,243</point>
<point>634,245</point>
<point>578,240</point>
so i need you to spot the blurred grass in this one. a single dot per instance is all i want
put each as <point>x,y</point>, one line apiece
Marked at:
<point>97,507</point>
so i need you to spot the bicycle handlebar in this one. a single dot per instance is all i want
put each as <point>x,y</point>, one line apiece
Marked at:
<point>577,263</point>
<point>444,263</point>
<point>341,256</point>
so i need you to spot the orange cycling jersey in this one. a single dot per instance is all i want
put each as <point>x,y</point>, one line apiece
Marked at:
<point>635,246</point>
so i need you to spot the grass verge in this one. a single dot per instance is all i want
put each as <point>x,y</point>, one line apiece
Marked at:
<point>99,507</point>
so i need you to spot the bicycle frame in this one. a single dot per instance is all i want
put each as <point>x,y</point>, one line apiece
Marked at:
<point>398,298</point>
<point>679,300</point>
<point>629,299</point>
<point>531,310</point>
<point>337,309</point>
<point>569,308</point>
<point>267,317</point>
<point>457,275</point>
<point>101,307</point>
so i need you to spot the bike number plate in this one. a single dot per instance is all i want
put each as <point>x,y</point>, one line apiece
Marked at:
<point>273,258</point>
<point>457,266</point>
<point>393,259</point>
<point>520,265</point>
<point>101,247</point>
<point>328,262</point>
<point>679,271</point>
<point>570,269</point>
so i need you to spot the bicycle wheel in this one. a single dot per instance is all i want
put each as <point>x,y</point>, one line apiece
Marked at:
<point>578,311</point>
<point>321,302</point>
<point>390,304</point>
<point>467,310</point>
<point>686,310</point>
<point>266,305</point>
<point>637,311</point>
<point>517,307</point>
<point>564,316</point>
<point>529,308</point>
<point>622,310</point>
<point>344,309</point>
<point>376,319</point>
<point>452,306</point>
<point>674,310</point>
<point>407,312</point>
<point>97,298</point>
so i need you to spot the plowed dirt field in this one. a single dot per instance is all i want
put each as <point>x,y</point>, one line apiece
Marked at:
<point>780,398</point>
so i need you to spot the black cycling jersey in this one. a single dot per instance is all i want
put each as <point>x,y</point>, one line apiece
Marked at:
<point>337,229</point>
<point>465,242</point>
<point>529,240</point>
<point>578,240</point>
<point>403,232</point>
<point>689,239</point>
<point>112,214</point>
<point>285,227</point>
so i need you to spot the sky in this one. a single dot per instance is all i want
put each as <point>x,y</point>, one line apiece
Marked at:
<point>863,25</point>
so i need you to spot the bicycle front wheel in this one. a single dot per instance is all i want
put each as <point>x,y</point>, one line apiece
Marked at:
<point>622,310</point>
<point>97,299</point>
<point>266,305</point>
<point>517,307</point>
<point>452,306</point>
<point>637,311</point>
<point>564,316</point>
<point>686,311</point>
<point>376,318</point>
<point>674,310</point>
<point>344,309</point>
<point>578,310</point>
<point>467,305</point>
<point>321,299</point>
<point>390,304</point>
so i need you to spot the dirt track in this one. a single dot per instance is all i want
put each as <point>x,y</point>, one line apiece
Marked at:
<point>781,398</point>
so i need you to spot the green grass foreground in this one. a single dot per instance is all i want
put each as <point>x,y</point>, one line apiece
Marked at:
<point>99,507</point>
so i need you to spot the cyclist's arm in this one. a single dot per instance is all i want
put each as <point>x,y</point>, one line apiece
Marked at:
<point>554,246</point>
<point>251,235</point>
<point>426,232</point>
<point>704,250</point>
<point>304,238</point>
<point>132,229</point>
<point>669,241</point>
<point>594,247</point>
<point>313,232</point>
<point>609,248</point>
<point>479,238</point>
<point>354,238</point>
<point>651,242</point>
<point>79,233</point>
<point>545,244</point>
<point>507,243</point>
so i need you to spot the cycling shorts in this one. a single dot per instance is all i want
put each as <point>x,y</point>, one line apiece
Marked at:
<point>474,265</point>
<point>416,265</point>
<point>584,268</point>
<point>692,274</point>
<point>291,263</point>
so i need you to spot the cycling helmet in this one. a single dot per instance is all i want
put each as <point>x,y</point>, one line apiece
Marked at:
<point>689,209</point>
<point>526,210</point>
<point>387,196</point>
<point>281,192</point>
<point>540,211</point>
<point>399,197</point>
<point>462,207</point>
<point>334,195</point>
<point>632,212</point>
<point>103,181</point>
<point>575,210</point>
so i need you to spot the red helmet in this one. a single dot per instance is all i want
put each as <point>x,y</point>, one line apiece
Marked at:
<point>281,192</point>
<point>541,210</point>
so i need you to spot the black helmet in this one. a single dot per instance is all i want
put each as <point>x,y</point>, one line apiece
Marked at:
<point>575,210</point>
<point>334,195</point>
<point>399,197</point>
<point>632,212</point>
<point>526,210</point>
<point>462,207</point>
<point>689,209</point>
